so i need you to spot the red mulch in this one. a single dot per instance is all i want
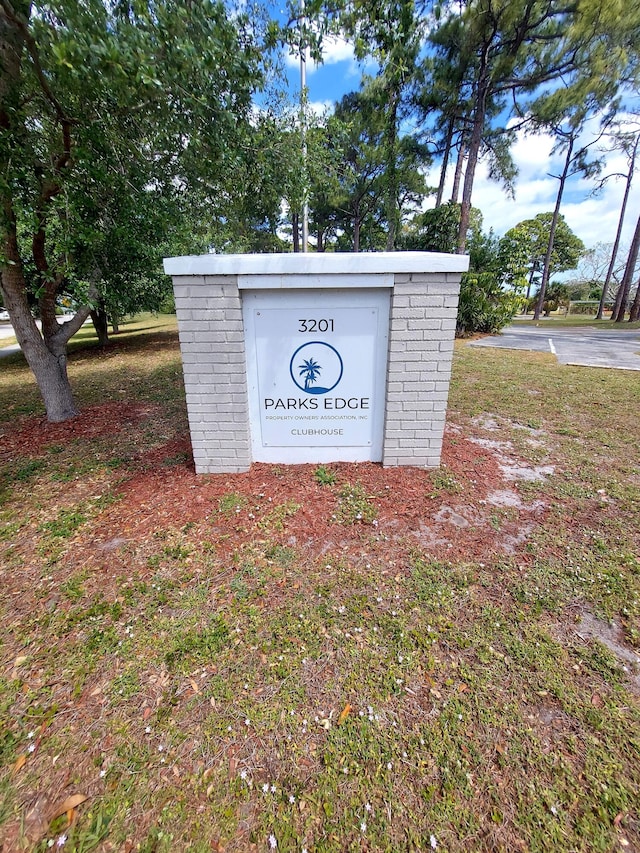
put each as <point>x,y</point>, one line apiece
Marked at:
<point>447,518</point>
<point>410,510</point>
<point>33,435</point>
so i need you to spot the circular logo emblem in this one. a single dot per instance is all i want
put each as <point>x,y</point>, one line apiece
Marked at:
<point>316,367</point>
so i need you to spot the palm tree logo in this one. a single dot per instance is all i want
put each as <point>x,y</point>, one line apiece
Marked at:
<point>316,367</point>
<point>310,369</point>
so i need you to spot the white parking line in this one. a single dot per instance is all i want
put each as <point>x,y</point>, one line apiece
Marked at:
<point>551,346</point>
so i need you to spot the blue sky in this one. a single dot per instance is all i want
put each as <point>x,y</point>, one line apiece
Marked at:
<point>593,218</point>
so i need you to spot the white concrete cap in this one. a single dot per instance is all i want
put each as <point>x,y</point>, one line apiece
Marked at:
<point>333,263</point>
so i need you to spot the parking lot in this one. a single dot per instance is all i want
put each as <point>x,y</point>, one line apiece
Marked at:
<point>583,346</point>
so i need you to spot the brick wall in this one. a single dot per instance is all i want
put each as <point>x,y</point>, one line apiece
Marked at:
<point>215,377</point>
<point>422,327</point>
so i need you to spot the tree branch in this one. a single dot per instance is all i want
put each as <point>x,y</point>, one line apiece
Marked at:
<point>32,47</point>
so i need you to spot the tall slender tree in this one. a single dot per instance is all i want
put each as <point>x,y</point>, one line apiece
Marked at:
<point>509,46</point>
<point>631,145</point>
<point>622,301</point>
<point>576,162</point>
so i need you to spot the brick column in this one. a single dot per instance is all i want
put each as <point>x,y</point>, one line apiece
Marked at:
<point>421,333</point>
<point>211,334</point>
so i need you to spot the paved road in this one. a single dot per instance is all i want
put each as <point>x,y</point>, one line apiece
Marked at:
<point>583,346</point>
<point>6,331</point>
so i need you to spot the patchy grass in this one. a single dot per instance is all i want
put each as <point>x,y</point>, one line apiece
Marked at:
<point>343,658</point>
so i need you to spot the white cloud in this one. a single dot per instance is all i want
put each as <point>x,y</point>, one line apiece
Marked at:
<point>321,108</point>
<point>335,49</point>
<point>594,218</point>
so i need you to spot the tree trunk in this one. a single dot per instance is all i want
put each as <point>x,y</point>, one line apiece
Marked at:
<point>295,227</point>
<point>45,353</point>
<point>616,302</point>
<point>634,314</point>
<point>529,286</point>
<point>48,362</point>
<point>546,272</point>
<point>445,162</point>
<point>616,245</point>
<point>627,279</point>
<point>356,232</point>
<point>475,142</point>
<point>320,240</point>
<point>457,175</point>
<point>101,325</point>
<point>391,133</point>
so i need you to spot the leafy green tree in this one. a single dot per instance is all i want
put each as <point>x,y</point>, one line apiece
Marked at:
<point>436,230</point>
<point>446,88</point>
<point>90,94</point>
<point>356,130</point>
<point>484,305</point>
<point>527,242</point>
<point>324,168</point>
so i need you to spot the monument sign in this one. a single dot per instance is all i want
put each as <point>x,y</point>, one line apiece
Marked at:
<point>316,358</point>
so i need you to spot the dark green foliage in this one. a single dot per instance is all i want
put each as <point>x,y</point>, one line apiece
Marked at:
<point>484,305</point>
<point>489,293</point>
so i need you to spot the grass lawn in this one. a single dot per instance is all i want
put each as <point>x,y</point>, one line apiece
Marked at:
<point>330,658</point>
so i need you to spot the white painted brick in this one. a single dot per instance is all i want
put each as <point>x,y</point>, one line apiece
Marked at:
<point>202,303</point>
<point>188,325</point>
<point>220,280</point>
<point>228,303</point>
<point>424,300</point>
<point>187,280</point>
<point>211,336</point>
<point>199,346</point>
<point>440,288</point>
<point>419,405</point>
<point>420,346</point>
<point>189,358</point>
<point>401,300</point>
<point>425,324</point>
<point>421,361</point>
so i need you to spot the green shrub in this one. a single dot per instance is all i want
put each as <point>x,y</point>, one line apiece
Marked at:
<point>484,305</point>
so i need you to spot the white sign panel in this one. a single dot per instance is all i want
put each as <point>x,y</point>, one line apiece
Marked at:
<point>316,367</point>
